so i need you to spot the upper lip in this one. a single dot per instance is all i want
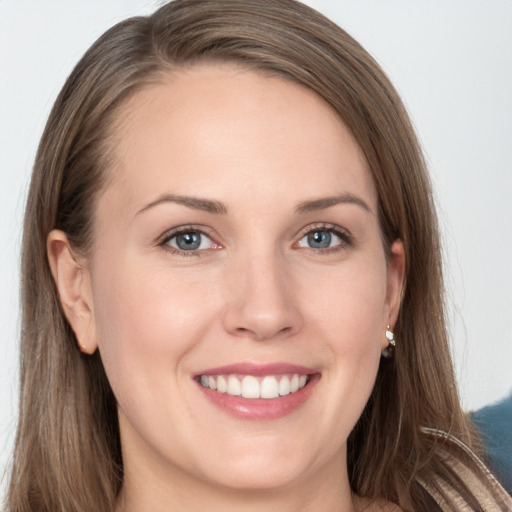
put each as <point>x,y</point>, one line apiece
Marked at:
<point>259,369</point>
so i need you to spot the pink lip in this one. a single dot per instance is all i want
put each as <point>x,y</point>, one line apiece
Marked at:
<point>260,409</point>
<point>258,369</point>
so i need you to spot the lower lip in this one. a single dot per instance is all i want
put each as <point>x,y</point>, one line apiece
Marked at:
<point>262,409</point>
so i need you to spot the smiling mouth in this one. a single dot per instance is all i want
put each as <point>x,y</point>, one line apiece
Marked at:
<point>252,387</point>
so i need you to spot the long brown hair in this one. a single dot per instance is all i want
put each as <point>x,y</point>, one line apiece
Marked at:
<point>68,454</point>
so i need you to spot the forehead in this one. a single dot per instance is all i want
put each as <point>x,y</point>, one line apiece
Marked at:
<point>211,125</point>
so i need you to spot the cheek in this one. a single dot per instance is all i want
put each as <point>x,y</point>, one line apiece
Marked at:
<point>350,314</point>
<point>349,304</point>
<point>147,320</point>
<point>345,311</point>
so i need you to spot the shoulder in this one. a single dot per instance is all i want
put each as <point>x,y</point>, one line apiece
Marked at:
<point>469,485</point>
<point>493,423</point>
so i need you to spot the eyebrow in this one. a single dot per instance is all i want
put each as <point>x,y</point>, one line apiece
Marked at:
<point>326,202</point>
<point>196,203</point>
<point>219,208</point>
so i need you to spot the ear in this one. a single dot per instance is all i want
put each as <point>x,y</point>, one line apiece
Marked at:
<point>73,283</point>
<point>395,282</point>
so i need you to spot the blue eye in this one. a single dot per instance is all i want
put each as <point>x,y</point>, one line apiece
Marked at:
<point>321,239</point>
<point>190,241</point>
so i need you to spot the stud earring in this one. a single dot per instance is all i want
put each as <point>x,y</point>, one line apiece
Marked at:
<point>388,351</point>
<point>390,336</point>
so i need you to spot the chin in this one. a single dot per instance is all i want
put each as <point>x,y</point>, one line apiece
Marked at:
<point>247,479</point>
<point>264,466</point>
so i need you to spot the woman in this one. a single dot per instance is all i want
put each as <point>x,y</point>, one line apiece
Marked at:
<point>228,226</point>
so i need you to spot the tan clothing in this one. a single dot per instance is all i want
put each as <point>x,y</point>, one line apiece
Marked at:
<point>487,491</point>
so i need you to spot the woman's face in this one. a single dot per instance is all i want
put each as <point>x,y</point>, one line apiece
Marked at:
<point>237,247</point>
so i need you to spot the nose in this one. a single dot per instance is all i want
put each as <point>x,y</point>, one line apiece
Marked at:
<point>262,302</point>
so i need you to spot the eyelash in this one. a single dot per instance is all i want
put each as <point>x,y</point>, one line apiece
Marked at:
<point>345,237</point>
<point>164,241</point>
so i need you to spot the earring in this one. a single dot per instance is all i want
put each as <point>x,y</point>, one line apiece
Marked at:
<point>388,351</point>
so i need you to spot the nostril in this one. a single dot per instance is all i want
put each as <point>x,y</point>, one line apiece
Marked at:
<point>249,333</point>
<point>262,334</point>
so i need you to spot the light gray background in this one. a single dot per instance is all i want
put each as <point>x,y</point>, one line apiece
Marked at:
<point>450,60</point>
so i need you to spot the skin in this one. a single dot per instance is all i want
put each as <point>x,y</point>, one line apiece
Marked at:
<point>254,292</point>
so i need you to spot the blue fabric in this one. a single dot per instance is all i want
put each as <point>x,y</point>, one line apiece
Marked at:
<point>494,422</point>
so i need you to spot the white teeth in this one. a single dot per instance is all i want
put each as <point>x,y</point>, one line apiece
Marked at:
<point>222,384</point>
<point>234,386</point>
<point>294,383</point>
<point>269,386</point>
<point>284,386</point>
<point>250,387</point>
